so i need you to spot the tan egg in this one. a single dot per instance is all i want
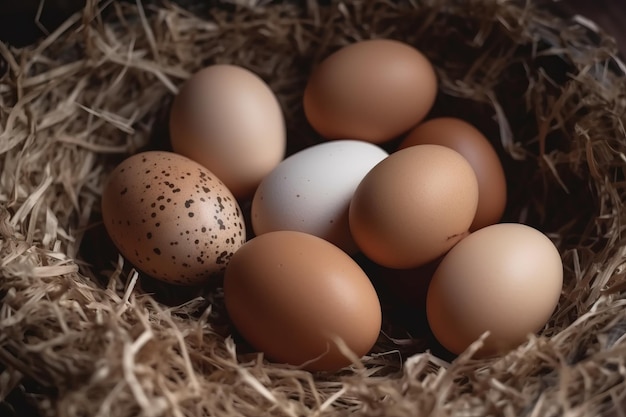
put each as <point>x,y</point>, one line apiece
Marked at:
<point>372,90</point>
<point>413,206</point>
<point>227,119</point>
<point>292,295</point>
<point>171,217</point>
<point>475,147</point>
<point>505,279</point>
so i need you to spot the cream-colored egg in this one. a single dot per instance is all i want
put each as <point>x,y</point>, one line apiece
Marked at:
<point>171,217</point>
<point>228,119</point>
<point>505,279</point>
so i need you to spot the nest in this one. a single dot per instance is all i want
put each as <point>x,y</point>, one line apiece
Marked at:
<point>83,334</point>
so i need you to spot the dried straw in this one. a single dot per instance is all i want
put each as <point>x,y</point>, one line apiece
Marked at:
<point>81,334</point>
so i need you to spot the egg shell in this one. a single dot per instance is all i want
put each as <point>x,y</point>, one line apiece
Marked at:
<point>310,191</point>
<point>171,217</point>
<point>291,295</point>
<point>414,206</point>
<point>372,90</point>
<point>228,119</point>
<point>505,279</point>
<point>464,138</point>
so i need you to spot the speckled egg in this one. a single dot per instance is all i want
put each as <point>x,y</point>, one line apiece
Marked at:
<point>171,217</point>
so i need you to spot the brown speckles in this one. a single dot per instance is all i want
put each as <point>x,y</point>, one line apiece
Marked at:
<point>171,216</point>
<point>223,257</point>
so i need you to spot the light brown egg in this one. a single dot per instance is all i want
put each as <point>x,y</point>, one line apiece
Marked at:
<point>475,147</point>
<point>171,217</point>
<point>505,279</point>
<point>227,119</point>
<point>372,90</point>
<point>291,295</point>
<point>414,206</point>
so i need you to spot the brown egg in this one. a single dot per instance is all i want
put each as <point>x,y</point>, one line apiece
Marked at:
<point>372,90</point>
<point>413,206</point>
<point>291,294</point>
<point>505,279</point>
<point>171,217</point>
<point>474,146</point>
<point>226,118</point>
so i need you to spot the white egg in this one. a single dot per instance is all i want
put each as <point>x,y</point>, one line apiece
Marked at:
<point>310,191</point>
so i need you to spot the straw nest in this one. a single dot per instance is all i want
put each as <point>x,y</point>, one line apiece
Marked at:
<point>82,334</point>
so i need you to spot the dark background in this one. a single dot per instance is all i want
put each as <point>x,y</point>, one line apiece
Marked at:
<point>18,27</point>
<point>608,14</point>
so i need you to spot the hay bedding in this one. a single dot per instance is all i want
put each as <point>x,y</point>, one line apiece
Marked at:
<point>81,334</point>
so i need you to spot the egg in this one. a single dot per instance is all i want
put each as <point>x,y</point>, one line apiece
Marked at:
<point>228,119</point>
<point>171,217</point>
<point>413,206</point>
<point>476,148</point>
<point>310,191</point>
<point>505,279</point>
<point>372,90</point>
<point>293,296</point>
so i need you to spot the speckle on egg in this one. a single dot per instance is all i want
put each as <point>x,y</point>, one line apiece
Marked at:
<point>153,213</point>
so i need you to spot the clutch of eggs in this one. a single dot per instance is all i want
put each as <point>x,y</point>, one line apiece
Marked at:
<point>294,291</point>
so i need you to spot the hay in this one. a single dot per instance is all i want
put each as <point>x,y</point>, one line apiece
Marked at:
<point>83,335</point>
